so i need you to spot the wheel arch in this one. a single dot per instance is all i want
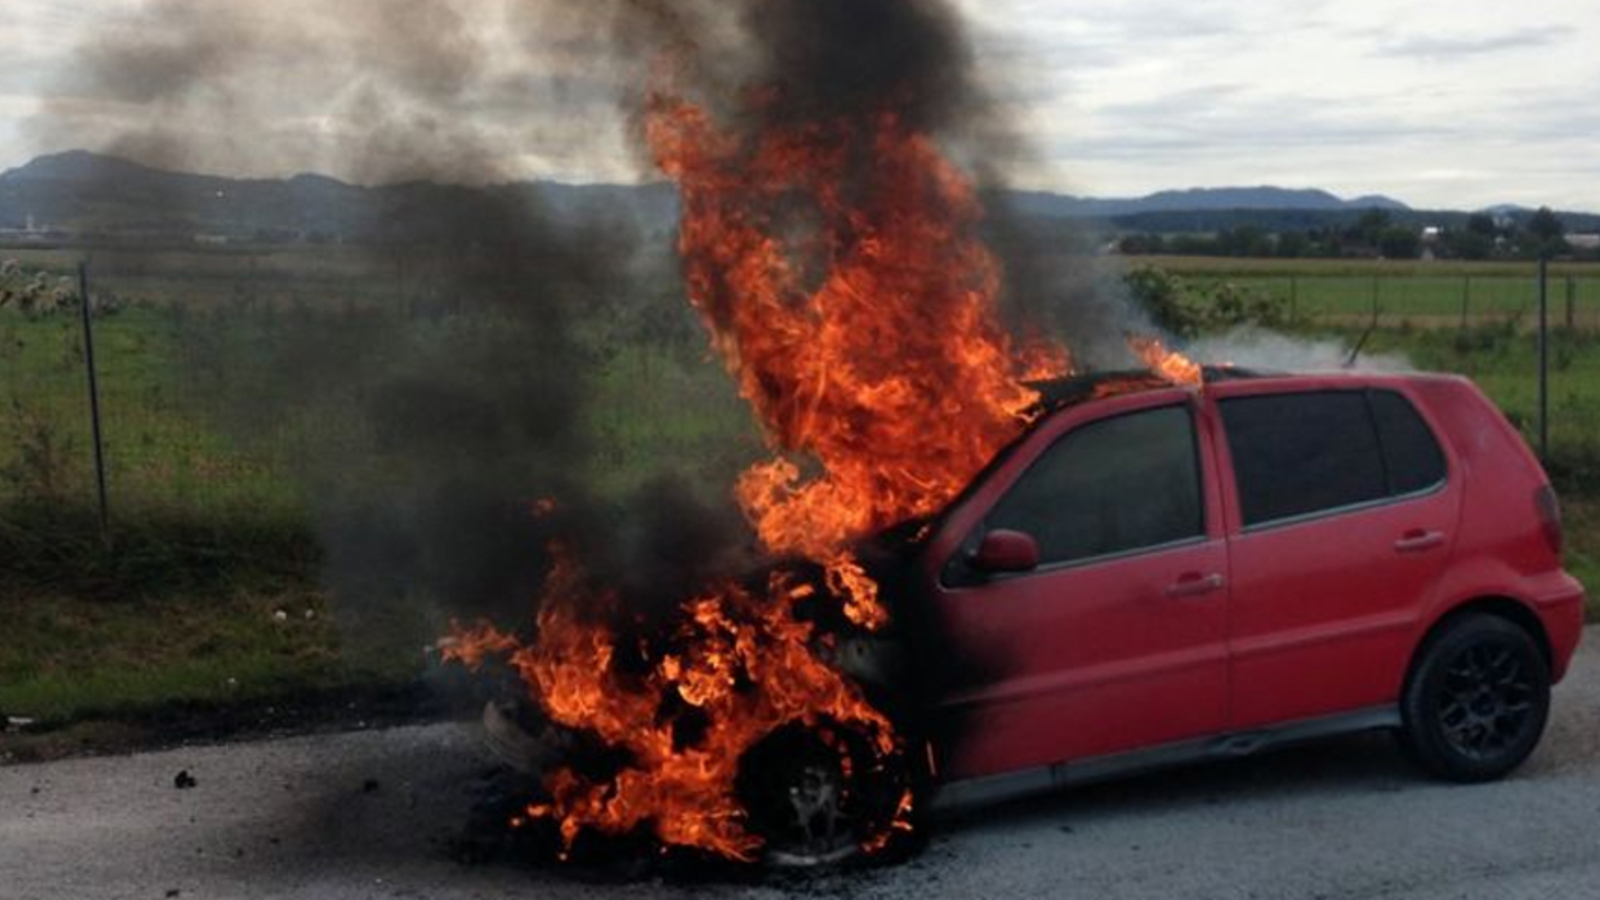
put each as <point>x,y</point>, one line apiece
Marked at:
<point>1514,611</point>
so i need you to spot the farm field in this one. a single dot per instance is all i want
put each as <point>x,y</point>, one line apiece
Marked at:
<point>1399,293</point>
<point>227,438</point>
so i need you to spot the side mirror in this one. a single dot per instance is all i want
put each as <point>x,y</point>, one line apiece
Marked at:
<point>1006,551</point>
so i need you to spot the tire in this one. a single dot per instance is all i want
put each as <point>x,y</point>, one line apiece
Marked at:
<point>1477,699</point>
<point>819,795</point>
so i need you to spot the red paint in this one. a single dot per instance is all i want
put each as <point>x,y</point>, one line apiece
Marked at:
<point>1242,628</point>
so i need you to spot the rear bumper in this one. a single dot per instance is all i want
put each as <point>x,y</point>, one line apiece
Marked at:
<point>1560,608</point>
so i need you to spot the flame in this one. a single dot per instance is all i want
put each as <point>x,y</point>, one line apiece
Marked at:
<point>742,660</point>
<point>838,273</point>
<point>1169,364</point>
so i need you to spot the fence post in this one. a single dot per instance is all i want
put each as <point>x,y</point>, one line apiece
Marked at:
<point>1544,360</point>
<point>1466,299</point>
<point>1572,297</point>
<point>94,400</point>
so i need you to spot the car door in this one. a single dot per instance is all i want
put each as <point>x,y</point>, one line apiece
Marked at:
<point>1117,639</point>
<point>1341,517</point>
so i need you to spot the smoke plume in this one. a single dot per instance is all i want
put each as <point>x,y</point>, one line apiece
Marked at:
<point>455,425</point>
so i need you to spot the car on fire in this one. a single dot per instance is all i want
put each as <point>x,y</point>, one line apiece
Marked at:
<point>1155,574</point>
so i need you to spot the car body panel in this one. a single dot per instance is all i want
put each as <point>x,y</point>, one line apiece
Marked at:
<point>1315,619</point>
<point>1325,606</point>
<point>1091,658</point>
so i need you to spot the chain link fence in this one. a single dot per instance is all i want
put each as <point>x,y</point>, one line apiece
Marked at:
<point>211,408</point>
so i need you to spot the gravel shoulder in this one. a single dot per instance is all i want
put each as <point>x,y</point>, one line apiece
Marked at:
<point>375,814</point>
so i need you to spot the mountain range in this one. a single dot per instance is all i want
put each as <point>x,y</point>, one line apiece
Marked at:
<point>79,193</point>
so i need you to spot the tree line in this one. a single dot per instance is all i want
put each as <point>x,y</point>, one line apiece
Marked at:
<point>1377,234</point>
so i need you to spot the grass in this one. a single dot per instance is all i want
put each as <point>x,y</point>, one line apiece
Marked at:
<point>231,278</point>
<point>1402,292</point>
<point>1363,268</point>
<point>67,658</point>
<point>211,530</point>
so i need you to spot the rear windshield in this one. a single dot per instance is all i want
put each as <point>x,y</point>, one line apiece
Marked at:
<point>1304,453</point>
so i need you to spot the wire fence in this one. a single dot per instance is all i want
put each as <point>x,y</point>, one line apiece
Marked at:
<point>1435,301</point>
<point>195,420</point>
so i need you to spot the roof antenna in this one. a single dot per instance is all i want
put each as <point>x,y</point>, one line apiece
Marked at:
<point>1355,352</point>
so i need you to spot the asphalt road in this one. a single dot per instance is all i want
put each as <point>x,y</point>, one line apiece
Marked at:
<point>373,814</point>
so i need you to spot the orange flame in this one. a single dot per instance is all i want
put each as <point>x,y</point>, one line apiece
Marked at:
<point>746,663</point>
<point>856,309</point>
<point>1169,364</point>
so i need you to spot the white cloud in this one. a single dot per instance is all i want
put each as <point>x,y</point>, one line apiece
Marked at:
<point>1441,103</point>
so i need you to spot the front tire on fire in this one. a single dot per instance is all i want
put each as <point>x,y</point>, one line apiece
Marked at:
<point>818,795</point>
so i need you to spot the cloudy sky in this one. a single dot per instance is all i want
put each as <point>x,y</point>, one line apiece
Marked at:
<point>1439,103</point>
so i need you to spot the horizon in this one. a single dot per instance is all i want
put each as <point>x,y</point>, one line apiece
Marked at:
<point>1350,200</point>
<point>1355,98</point>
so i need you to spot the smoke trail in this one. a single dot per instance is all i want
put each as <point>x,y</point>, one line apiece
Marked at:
<point>458,424</point>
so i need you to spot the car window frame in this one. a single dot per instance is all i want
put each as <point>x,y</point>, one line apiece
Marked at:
<point>1366,390</point>
<point>956,561</point>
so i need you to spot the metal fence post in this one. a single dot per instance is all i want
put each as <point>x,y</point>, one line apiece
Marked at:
<point>1544,360</point>
<point>94,400</point>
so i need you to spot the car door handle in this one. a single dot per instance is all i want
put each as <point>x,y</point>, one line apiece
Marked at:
<point>1194,585</point>
<point>1413,541</point>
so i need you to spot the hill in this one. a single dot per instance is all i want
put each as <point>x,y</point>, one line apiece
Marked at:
<point>1197,200</point>
<point>82,195</point>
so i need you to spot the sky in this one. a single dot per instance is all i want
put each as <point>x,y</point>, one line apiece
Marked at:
<point>1456,104</point>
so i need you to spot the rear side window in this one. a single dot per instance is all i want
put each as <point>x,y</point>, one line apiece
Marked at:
<point>1410,451</point>
<point>1112,486</point>
<point>1299,454</point>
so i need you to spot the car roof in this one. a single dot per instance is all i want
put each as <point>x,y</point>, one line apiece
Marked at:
<point>1062,393</point>
<point>1059,393</point>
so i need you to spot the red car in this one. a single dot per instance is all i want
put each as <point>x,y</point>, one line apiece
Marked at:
<point>1267,558</point>
<point>1155,574</point>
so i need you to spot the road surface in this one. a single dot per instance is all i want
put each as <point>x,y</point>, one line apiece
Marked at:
<point>374,814</point>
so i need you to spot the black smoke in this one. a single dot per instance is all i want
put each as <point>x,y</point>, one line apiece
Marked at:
<point>470,393</point>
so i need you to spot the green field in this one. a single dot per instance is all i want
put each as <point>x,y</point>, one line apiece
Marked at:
<point>215,449</point>
<point>1436,294</point>
<point>208,588</point>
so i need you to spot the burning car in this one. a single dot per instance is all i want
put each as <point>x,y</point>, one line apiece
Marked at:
<point>987,571</point>
<point>1155,573</point>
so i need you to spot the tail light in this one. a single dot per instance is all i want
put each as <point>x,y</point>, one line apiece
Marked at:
<point>1544,500</point>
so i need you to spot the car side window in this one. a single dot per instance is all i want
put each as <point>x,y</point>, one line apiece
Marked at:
<point>1302,453</point>
<point>1411,453</point>
<point>1111,486</point>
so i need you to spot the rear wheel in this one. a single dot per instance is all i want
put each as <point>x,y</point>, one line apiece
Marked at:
<point>1477,700</point>
<point>820,795</point>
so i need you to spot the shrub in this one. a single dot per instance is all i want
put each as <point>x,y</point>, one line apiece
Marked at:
<point>1188,310</point>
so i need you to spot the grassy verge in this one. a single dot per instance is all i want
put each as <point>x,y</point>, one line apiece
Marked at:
<point>201,600</point>
<point>200,597</point>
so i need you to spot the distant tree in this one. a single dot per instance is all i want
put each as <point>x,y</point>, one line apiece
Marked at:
<point>1469,244</point>
<point>1194,245</point>
<point>1546,225</point>
<point>1137,244</point>
<point>1482,224</point>
<point>1292,244</point>
<point>1396,242</point>
<point>1546,231</point>
<point>1370,228</point>
<point>1245,240</point>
